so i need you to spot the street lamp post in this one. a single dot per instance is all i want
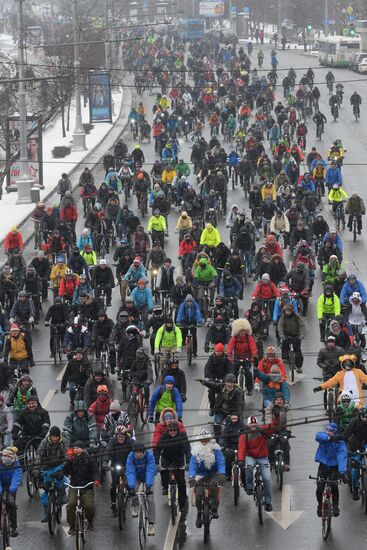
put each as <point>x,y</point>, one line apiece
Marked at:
<point>79,134</point>
<point>24,182</point>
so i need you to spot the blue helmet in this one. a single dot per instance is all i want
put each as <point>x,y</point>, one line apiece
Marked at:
<point>332,427</point>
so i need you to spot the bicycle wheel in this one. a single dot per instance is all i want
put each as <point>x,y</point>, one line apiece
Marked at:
<point>144,408</point>
<point>330,405</point>
<point>354,230</point>
<point>236,484</point>
<point>292,364</point>
<point>142,526</point>
<point>52,512</point>
<point>206,522</point>
<point>189,350</point>
<point>259,503</point>
<point>279,471</point>
<point>5,531</point>
<point>79,531</point>
<point>121,513</point>
<point>326,519</point>
<point>156,365</point>
<point>31,489</point>
<point>364,490</point>
<point>56,350</point>
<point>173,503</point>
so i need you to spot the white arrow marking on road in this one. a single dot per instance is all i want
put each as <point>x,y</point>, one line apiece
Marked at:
<point>286,517</point>
<point>204,405</point>
<point>48,398</point>
<point>297,378</point>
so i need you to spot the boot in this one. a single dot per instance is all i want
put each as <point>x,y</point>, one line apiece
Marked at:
<point>45,514</point>
<point>113,509</point>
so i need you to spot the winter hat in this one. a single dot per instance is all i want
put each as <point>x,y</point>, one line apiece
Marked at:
<point>55,431</point>
<point>219,347</point>
<point>115,406</point>
<point>169,380</point>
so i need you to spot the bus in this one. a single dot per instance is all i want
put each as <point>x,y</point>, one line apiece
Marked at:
<point>336,51</point>
<point>190,29</point>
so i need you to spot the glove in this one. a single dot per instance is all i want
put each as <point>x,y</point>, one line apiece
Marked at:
<point>31,319</point>
<point>183,398</point>
<point>315,390</point>
<point>31,363</point>
<point>63,390</point>
<point>192,482</point>
<point>151,420</point>
<point>105,467</point>
<point>221,478</point>
<point>47,324</point>
<point>131,492</point>
<point>158,468</point>
<point>336,438</point>
<point>11,499</point>
<point>93,445</point>
<point>103,443</point>
<point>344,478</point>
<point>148,491</point>
<point>241,464</point>
<point>97,483</point>
<point>257,387</point>
<point>206,349</point>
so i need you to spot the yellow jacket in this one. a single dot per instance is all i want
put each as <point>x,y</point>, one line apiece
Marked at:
<point>157,224</point>
<point>58,273</point>
<point>164,103</point>
<point>349,381</point>
<point>18,349</point>
<point>210,236</point>
<point>319,172</point>
<point>269,192</point>
<point>168,176</point>
<point>185,223</point>
<point>337,195</point>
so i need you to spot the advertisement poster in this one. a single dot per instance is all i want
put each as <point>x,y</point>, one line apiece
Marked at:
<point>100,108</point>
<point>211,8</point>
<point>34,149</point>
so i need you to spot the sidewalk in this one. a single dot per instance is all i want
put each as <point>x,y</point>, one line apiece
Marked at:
<point>100,140</point>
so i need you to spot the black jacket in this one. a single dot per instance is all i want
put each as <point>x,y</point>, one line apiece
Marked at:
<point>31,423</point>
<point>231,433</point>
<point>57,315</point>
<point>102,329</point>
<point>218,367</point>
<point>328,360</point>
<point>77,372</point>
<point>103,276</point>
<point>172,451</point>
<point>356,434</point>
<point>116,452</point>
<point>82,470</point>
<point>141,371</point>
<point>42,267</point>
<point>226,402</point>
<point>215,336</point>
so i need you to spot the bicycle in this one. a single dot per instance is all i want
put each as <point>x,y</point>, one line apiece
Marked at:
<point>258,490</point>
<point>292,358</point>
<point>326,505</point>
<point>56,343</point>
<point>105,358</point>
<point>38,234</point>
<point>172,493</point>
<point>122,496</point>
<point>189,343</point>
<point>356,111</point>
<point>30,455</point>
<point>206,510</point>
<point>355,228</point>
<point>236,478</point>
<point>319,130</point>
<point>143,517</point>
<point>339,215</point>
<point>80,519</point>
<point>244,364</point>
<point>54,509</point>
<point>138,403</point>
<point>278,465</point>
<point>5,523</point>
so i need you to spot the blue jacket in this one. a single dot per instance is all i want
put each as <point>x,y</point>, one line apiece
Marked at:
<point>333,175</point>
<point>10,478</point>
<point>189,314</point>
<point>268,391</point>
<point>78,291</point>
<point>142,298</point>
<point>274,133</point>
<point>234,289</point>
<point>338,241</point>
<point>142,469</point>
<point>156,396</point>
<point>198,468</point>
<point>233,159</point>
<point>136,274</point>
<point>308,185</point>
<point>83,240</point>
<point>277,313</point>
<point>331,453</point>
<point>347,292</point>
<point>168,154</point>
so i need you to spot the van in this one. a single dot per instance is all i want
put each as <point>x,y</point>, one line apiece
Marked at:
<point>356,59</point>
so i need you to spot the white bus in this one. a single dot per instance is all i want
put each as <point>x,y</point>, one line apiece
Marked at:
<point>336,51</point>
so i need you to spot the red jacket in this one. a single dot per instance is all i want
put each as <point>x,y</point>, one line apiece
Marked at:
<point>13,241</point>
<point>255,444</point>
<point>69,213</point>
<point>307,260</point>
<point>275,249</point>
<point>242,347</point>
<point>265,291</point>
<point>67,286</point>
<point>265,366</point>
<point>160,429</point>
<point>99,409</point>
<point>186,248</point>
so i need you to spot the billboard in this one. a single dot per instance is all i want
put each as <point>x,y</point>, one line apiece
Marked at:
<point>211,8</point>
<point>34,149</point>
<point>100,108</point>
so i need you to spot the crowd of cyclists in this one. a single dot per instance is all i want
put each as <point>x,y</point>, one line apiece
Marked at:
<point>212,96</point>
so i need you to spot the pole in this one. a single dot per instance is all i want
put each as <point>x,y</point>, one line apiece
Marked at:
<point>279,17</point>
<point>326,15</point>
<point>52,14</point>
<point>79,134</point>
<point>24,182</point>
<point>107,37</point>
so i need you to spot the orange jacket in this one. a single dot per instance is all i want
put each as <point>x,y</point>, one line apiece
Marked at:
<point>13,241</point>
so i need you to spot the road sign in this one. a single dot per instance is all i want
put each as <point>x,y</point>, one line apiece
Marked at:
<point>326,22</point>
<point>331,21</point>
<point>233,10</point>
<point>351,19</point>
<point>246,10</point>
<point>349,10</point>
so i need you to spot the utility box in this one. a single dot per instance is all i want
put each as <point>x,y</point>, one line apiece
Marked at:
<point>242,25</point>
<point>35,194</point>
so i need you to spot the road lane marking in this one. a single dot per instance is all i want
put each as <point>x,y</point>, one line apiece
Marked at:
<point>204,405</point>
<point>171,533</point>
<point>286,516</point>
<point>61,373</point>
<point>47,399</point>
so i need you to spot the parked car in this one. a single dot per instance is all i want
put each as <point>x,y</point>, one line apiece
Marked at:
<point>362,66</point>
<point>356,58</point>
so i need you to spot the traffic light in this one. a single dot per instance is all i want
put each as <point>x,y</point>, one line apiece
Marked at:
<point>352,32</point>
<point>309,27</point>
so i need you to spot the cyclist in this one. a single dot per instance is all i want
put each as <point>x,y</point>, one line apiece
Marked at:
<point>23,310</point>
<point>19,395</point>
<point>157,227</point>
<point>242,346</point>
<point>333,175</point>
<point>234,426</point>
<point>252,450</point>
<point>103,279</point>
<point>292,326</point>
<point>80,426</point>
<point>10,481</point>
<point>337,195</point>
<point>57,314</point>
<point>172,452</point>
<point>356,314</point>
<point>141,373</point>
<point>328,305</point>
<point>32,422</point>
<point>18,350</point>
<point>126,353</point>
<point>172,369</point>
<point>33,288</point>
<point>166,395</point>
<point>97,378</point>
<point>272,383</point>
<point>102,330</point>
<point>277,413</point>
<point>356,102</point>
<point>76,336</point>
<point>355,434</point>
<point>205,274</point>
<point>328,357</point>
<point>51,455</point>
<point>141,468</point>
<point>345,411</point>
<point>76,374</point>
<point>355,208</point>
<point>81,468</point>
<point>189,314</point>
<point>206,463</point>
<point>115,457</point>
<point>330,79</point>
<point>267,363</point>
<point>330,270</point>
<point>352,284</point>
<point>101,406</point>
<point>266,290</point>
<point>332,458</point>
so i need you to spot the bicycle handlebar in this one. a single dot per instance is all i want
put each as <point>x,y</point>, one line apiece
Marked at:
<point>80,487</point>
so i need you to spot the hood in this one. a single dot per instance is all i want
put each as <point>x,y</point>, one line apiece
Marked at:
<point>170,379</point>
<point>203,261</point>
<point>166,410</point>
<point>276,257</point>
<point>209,226</point>
<point>189,297</point>
<point>241,324</point>
<point>351,300</point>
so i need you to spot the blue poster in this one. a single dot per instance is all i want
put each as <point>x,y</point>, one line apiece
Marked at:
<point>100,108</point>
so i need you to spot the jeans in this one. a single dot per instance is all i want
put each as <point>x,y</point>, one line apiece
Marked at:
<point>150,502</point>
<point>265,474</point>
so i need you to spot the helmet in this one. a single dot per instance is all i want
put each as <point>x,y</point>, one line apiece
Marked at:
<point>80,406</point>
<point>270,350</point>
<point>345,398</point>
<point>102,389</point>
<point>132,330</point>
<point>328,290</point>
<point>251,420</point>
<point>265,277</point>
<point>172,361</point>
<point>157,310</point>
<point>121,429</point>
<point>230,378</point>
<point>336,186</point>
<point>102,262</point>
<point>204,435</point>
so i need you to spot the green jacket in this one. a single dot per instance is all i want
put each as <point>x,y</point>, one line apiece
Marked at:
<point>206,275</point>
<point>328,306</point>
<point>328,275</point>
<point>167,339</point>
<point>182,169</point>
<point>344,415</point>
